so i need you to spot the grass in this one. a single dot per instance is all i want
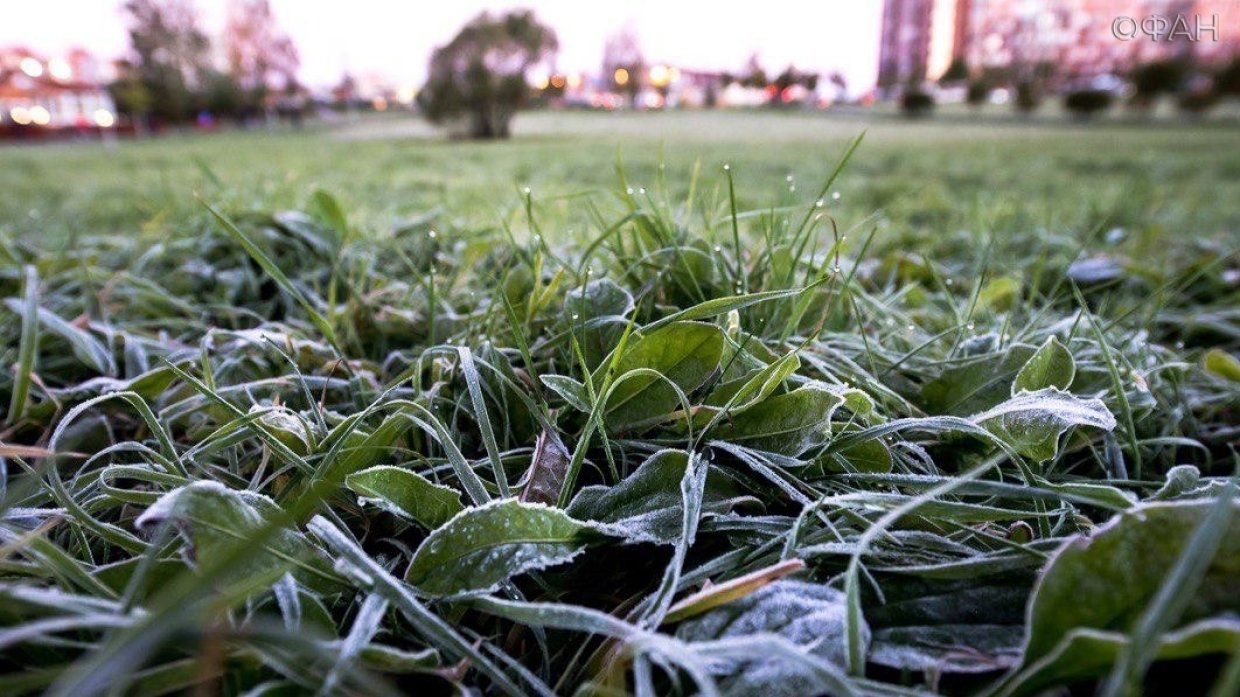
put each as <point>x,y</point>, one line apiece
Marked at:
<point>353,411</point>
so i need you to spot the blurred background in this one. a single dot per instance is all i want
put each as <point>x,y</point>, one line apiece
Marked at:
<point>135,67</point>
<point>114,113</point>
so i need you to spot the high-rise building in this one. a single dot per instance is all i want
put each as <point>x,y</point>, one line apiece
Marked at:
<point>1077,38</point>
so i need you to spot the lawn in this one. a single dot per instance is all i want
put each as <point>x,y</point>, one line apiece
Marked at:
<point>684,403</point>
<point>1069,178</point>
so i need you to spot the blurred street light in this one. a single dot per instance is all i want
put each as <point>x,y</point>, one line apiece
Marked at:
<point>59,69</point>
<point>31,66</point>
<point>621,76</point>
<point>660,75</point>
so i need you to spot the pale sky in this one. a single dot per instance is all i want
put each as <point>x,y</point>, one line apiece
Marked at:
<point>394,38</point>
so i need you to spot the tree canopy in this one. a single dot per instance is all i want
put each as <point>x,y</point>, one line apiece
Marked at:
<point>480,75</point>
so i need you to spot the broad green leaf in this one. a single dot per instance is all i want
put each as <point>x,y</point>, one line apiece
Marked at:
<point>646,506</point>
<point>1089,653</point>
<point>569,389</point>
<point>1050,366</point>
<point>999,294</point>
<point>86,348</point>
<point>1096,588</point>
<point>427,624</point>
<point>596,314</point>
<point>326,208</point>
<point>1031,422</point>
<point>867,456</point>
<point>599,298</point>
<point>809,615</point>
<point>214,518</point>
<point>753,387</point>
<point>973,625</point>
<point>406,493</point>
<point>948,648</point>
<point>363,448</point>
<point>147,385</point>
<point>788,424</point>
<point>1223,364</point>
<point>686,353</point>
<point>719,306</point>
<point>484,546</point>
<point>976,385</point>
<point>285,426</point>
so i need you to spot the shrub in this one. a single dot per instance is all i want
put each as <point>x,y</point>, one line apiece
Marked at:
<point>1028,96</point>
<point>978,92</point>
<point>1085,103</point>
<point>1227,80</point>
<point>916,102</point>
<point>1149,80</point>
<point>1197,102</point>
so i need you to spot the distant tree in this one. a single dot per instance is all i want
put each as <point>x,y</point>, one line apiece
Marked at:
<point>1156,78</point>
<point>169,54</point>
<point>223,95</point>
<point>480,75</point>
<point>957,71</point>
<point>978,92</point>
<point>623,63</point>
<point>1028,96</point>
<point>841,83</point>
<point>1086,103</point>
<point>130,95</point>
<point>755,75</point>
<point>1196,102</point>
<point>345,92</point>
<point>260,56</point>
<point>916,102</point>
<point>1227,80</point>
<point>790,77</point>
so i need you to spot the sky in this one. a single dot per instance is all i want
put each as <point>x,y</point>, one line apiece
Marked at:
<point>394,38</point>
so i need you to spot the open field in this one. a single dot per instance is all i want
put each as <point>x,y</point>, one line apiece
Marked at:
<point>1063,176</point>
<point>370,417</point>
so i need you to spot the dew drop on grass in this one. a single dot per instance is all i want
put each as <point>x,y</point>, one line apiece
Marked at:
<point>432,234</point>
<point>727,168</point>
<point>525,190</point>
<point>835,195</point>
<point>819,203</point>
